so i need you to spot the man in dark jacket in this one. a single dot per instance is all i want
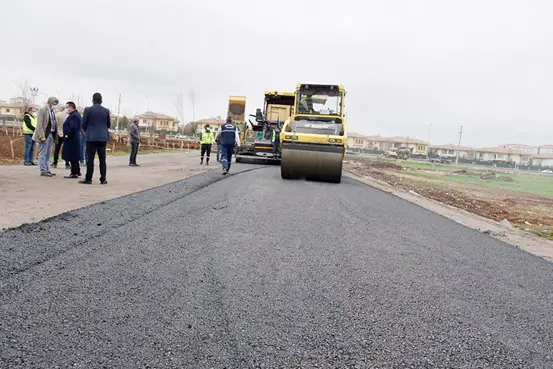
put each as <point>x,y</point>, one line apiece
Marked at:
<point>96,124</point>
<point>229,137</point>
<point>72,139</point>
<point>134,139</point>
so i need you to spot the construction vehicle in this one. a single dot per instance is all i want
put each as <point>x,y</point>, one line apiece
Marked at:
<point>237,113</point>
<point>314,139</point>
<point>402,153</point>
<point>258,142</point>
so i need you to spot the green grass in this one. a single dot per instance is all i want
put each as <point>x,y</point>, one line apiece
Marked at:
<point>541,185</point>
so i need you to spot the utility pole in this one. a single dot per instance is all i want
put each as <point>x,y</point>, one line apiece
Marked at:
<point>118,112</point>
<point>459,146</point>
<point>428,143</point>
<point>34,93</point>
<point>192,97</point>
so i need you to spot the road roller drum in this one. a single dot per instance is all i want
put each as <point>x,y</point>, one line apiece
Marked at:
<point>312,162</point>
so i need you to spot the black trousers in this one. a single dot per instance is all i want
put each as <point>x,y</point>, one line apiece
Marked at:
<point>134,152</point>
<point>57,150</point>
<point>93,147</point>
<point>206,148</point>
<point>75,166</point>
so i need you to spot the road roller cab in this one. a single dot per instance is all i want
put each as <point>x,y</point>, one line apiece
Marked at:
<point>313,140</point>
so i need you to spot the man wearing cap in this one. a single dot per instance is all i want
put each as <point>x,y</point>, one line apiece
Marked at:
<point>46,134</point>
<point>134,140</point>
<point>206,140</point>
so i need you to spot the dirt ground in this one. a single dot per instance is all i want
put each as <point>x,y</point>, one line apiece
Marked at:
<point>530,217</point>
<point>26,197</point>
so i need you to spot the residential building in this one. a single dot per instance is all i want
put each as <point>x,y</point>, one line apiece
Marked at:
<point>542,161</point>
<point>450,151</point>
<point>520,147</point>
<point>391,143</point>
<point>214,123</point>
<point>151,121</point>
<point>20,101</point>
<point>356,141</point>
<point>545,150</point>
<point>500,154</point>
<point>537,150</point>
<point>379,143</point>
<point>12,110</point>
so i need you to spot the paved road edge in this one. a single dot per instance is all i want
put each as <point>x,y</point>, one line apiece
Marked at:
<point>529,243</point>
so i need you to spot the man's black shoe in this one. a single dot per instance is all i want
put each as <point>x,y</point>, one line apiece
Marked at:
<point>85,182</point>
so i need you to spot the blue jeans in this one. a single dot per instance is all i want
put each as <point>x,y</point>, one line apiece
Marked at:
<point>44,153</point>
<point>29,149</point>
<point>226,156</point>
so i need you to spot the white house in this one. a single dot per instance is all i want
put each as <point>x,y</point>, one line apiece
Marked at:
<point>500,154</point>
<point>542,161</point>
<point>450,151</point>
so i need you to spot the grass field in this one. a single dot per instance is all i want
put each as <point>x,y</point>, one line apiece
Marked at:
<point>531,183</point>
<point>541,185</point>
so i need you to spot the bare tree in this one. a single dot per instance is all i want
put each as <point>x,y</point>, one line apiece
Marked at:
<point>26,91</point>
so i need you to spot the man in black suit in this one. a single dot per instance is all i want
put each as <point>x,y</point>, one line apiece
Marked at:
<point>96,122</point>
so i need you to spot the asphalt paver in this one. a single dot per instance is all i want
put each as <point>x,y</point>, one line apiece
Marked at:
<point>252,271</point>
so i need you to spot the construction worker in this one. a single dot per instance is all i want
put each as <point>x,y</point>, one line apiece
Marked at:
<point>305,104</point>
<point>206,140</point>
<point>29,126</point>
<point>228,137</point>
<point>276,140</point>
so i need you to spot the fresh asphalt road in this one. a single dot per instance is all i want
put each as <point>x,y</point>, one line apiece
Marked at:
<point>249,271</point>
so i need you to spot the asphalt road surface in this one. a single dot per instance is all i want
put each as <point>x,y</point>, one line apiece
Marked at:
<point>251,271</point>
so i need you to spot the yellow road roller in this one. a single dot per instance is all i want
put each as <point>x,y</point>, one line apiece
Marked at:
<point>313,139</point>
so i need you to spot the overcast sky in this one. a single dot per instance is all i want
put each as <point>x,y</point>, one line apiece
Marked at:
<point>406,65</point>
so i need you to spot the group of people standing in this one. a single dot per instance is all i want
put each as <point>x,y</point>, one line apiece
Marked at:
<point>63,128</point>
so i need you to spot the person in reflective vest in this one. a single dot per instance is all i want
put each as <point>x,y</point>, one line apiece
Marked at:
<point>228,137</point>
<point>206,140</point>
<point>276,140</point>
<point>29,126</point>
